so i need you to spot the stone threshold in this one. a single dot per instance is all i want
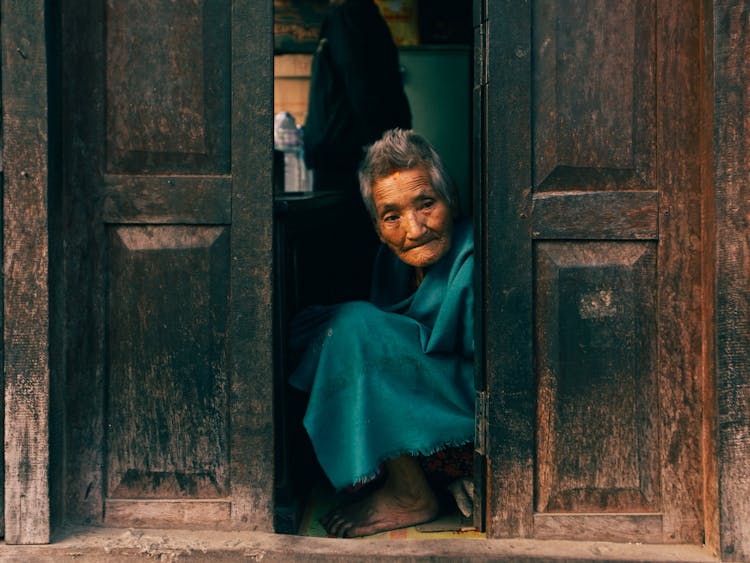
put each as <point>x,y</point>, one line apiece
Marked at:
<point>83,545</point>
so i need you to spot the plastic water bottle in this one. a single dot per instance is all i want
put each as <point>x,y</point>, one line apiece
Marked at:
<point>306,175</point>
<point>287,138</point>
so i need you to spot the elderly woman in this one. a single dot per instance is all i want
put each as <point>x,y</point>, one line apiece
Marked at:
<point>391,380</point>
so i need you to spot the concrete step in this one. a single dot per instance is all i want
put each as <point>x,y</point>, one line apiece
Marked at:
<point>84,545</point>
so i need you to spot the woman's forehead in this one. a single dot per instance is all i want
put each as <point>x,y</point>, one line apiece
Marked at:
<point>402,181</point>
<point>402,187</point>
<point>404,178</point>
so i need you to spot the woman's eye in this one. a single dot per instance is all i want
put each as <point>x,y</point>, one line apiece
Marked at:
<point>426,204</point>
<point>390,218</point>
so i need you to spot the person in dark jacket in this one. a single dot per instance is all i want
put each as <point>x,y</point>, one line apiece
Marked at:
<point>356,93</point>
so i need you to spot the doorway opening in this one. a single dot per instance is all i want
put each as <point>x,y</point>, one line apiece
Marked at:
<point>436,60</point>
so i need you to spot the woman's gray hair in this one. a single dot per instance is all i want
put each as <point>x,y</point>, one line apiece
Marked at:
<point>399,150</point>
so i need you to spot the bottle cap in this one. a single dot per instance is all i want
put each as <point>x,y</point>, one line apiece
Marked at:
<point>285,133</point>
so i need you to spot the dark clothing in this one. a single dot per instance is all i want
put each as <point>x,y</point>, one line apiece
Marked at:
<point>356,93</point>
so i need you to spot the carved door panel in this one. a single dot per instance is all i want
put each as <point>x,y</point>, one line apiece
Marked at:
<point>167,120</point>
<point>592,270</point>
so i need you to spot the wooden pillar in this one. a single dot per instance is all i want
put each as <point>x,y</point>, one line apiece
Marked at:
<point>26,258</point>
<point>732,180</point>
<point>252,440</point>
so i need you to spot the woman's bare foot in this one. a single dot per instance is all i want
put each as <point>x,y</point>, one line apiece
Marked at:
<point>404,500</point>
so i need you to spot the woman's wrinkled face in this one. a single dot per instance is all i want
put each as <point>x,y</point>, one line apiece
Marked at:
<point>411,218</point>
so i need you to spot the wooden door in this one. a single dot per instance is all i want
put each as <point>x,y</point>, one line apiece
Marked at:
<point>168,198</point>
<point>591,205</point>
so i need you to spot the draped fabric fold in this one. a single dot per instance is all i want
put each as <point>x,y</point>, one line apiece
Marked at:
<point>394,375</point>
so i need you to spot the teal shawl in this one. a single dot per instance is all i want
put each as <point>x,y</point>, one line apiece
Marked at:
<point>393,376</point>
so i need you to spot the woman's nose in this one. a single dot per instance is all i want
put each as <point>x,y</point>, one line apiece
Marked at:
<point>415,227</point>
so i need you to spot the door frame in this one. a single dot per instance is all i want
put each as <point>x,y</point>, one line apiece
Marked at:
<point>27,182</point>
<point>31,266</point>
<point>727,90</point>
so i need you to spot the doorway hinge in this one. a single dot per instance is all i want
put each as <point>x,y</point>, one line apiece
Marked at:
<point>480,433</point>
<point>480,55</point>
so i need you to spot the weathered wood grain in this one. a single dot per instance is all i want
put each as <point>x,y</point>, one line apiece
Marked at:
<point>251,313</point>
<point>169,339</point>
<point>83,154</point>
<point>597,394</point>
<point>612,93</point>
<point>708,236</point>
<point>732,183</point>
<point>167,390</point>
<point>193,514</point>
<point>168,87</point>
<point>171,199</point>
<point>679,259</point>
<point>506,270</point>
<point>641,528</point>
<point>2,382</point>
<point>601,215</point>
<point>57,389</point>
<point>597,132</point>
<point>26,269</point>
